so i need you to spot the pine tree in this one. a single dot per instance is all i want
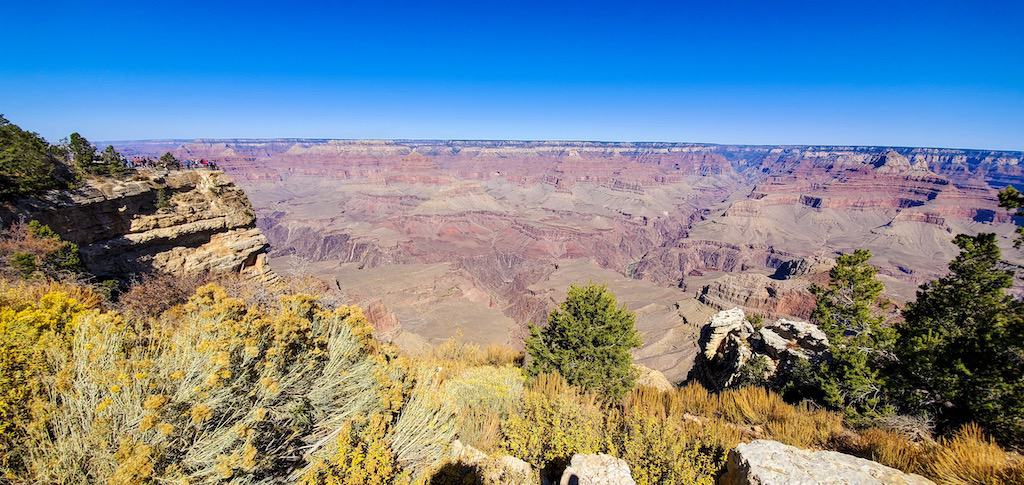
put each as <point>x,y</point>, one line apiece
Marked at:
<point>1013,199</point>
<point>860,339</point>
<point>588,341</point>
<point>82,152</point>
<point>112,163</point>
<point>169,162</point>
<point>26,162</point>
<point>961,347</point>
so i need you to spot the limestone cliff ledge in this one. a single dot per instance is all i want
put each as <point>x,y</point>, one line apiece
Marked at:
<point>180,222</point>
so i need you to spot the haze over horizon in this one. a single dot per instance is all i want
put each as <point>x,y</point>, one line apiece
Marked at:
<point>932,74</point>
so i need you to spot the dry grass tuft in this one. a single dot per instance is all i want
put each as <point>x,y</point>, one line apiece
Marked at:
<point>971,458</point>
<point>892,449</point>
<point>484,397</point>
<point>454,355</point>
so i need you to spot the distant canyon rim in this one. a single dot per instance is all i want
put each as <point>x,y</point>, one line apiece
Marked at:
<point>474,239</point>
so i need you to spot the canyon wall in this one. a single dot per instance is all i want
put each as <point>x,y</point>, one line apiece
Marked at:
<point>180,222</point>
<point>479,238</point>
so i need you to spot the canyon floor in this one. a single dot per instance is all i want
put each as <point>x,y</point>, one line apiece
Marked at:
<point>476,239</point>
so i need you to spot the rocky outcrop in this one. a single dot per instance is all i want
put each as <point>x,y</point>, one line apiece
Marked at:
<point>765,462</point>
<point>803,266</point>
<point>479,467</point>
<point>729,342</point>
<point>651,378</point>
<point>598,469</point>
<point>759,294</point>
<point>180,222</point>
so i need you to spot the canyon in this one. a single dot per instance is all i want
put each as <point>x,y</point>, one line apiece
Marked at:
<point>476,239</point>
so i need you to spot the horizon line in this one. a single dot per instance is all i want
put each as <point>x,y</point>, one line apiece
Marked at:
<point>553,141</point>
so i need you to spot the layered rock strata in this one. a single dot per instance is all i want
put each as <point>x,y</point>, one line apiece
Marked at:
<point>179,222</point>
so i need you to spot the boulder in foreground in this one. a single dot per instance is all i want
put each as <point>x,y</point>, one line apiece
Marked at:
<point>766,462</point>
<point>598,469</point>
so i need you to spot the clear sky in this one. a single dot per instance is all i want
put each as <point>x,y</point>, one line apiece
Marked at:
<point>929,73</point>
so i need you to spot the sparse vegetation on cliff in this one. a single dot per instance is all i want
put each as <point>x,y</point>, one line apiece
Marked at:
<point>33,249</point>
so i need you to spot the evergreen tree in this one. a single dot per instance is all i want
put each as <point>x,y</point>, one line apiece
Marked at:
<point>1013,199</point>
<point>112,163</point>
<point>961,346</point>
<point>588,341</point>
<point>82,152</point>
<point>860,340</point>
<point>27,163</point>
<point>168,162</point>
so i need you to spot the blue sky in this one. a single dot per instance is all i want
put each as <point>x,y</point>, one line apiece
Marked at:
<point>937,73</point>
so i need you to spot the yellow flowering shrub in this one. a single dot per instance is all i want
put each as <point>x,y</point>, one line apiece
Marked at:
<point>29,323</point>
<point>362,456</point>
<point>663,451</point>
<point>213,389</point>
<point>554,422</point>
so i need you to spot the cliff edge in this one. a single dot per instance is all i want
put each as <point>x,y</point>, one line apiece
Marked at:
<point>178,222</point>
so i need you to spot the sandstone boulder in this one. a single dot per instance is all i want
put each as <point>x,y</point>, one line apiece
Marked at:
<point>598,469</point>
<point>466,453</point>
<point>479,467</point>
<point>806,335</point>
<point>509,470</point>
<point>652,378</point>
<point>728,342</point>
<point>766,462</point>
<point>724,325</point>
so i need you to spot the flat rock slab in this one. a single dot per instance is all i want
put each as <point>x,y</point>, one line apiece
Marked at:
<point>598,469</point>
<point>766,462</point>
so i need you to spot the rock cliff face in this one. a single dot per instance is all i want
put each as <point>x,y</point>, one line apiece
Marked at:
<point>180,222</point>
<point>728,343</point>
<point>505,218</point>
<point>760,295</point>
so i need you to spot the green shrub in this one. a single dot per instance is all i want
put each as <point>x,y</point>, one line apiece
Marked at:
<point>588,341</point>
<point>861,341</point>
<point>553,422</point>
<point>754,372</point>
<point>962,343</point>
<point>28,163</point>
<point>24,264</point>
<point>163,201</point>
